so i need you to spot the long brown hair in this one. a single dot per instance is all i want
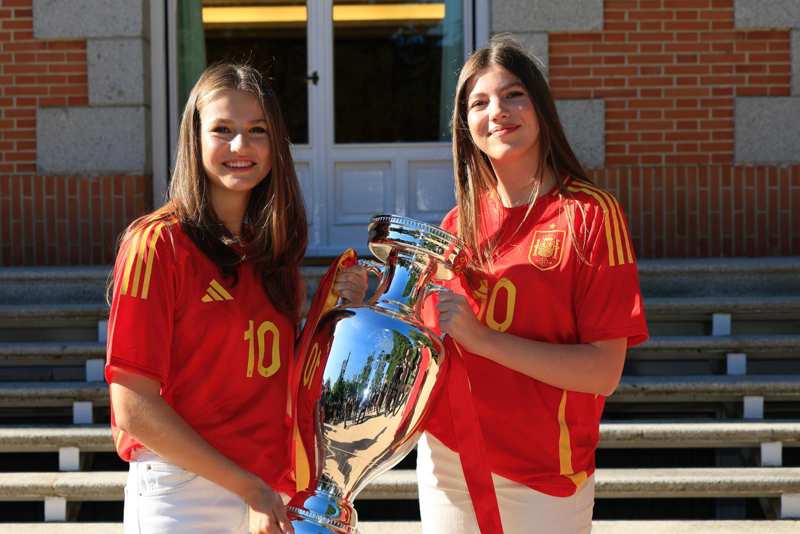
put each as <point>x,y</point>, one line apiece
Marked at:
<point>474,175</point>
<point>275,219</point>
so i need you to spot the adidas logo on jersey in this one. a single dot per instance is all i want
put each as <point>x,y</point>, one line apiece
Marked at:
<point>216,292</point>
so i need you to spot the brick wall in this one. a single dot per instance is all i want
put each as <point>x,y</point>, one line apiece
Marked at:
<point>668,72</point>
<point>51,220</point>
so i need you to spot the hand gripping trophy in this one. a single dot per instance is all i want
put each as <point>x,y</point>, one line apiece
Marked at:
<point>365,375</point>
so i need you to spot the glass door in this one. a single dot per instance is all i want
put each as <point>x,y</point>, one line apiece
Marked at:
<point>366,87</point>
<point>395,66</point>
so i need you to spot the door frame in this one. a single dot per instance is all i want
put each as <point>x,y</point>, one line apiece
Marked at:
<point>317,159</point>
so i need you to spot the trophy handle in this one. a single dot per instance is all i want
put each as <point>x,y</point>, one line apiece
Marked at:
<point>434,288</point>
<point>372,267</point>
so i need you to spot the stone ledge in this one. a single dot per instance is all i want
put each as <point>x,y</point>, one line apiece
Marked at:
<point>402,484</point>
<point>55,349</point>
<point>700,434</point>
<point>706,388</point>
<point>93,438</point>
<point>699,388</point>
<point>761,307</point>
<point>53,311</point>
<point>629,434</point>
<point>743,343</point>
<point>49,394</point>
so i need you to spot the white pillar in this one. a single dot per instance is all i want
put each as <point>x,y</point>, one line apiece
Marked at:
<point>736,363</point>
<point>82,413</point>
<point>772,454</point>
<point>753,407</point>
<point>95,369</point>
<point>790,506</point>
<point>69,459</point>
<point>720,324</point>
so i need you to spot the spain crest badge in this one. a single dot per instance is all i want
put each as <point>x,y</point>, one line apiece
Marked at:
<point>547,248</point>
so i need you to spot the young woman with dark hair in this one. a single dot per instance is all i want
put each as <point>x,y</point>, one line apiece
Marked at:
<point>206,301</point>
<point>544,315</point>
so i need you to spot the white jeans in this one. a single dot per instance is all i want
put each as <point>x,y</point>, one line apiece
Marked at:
<point>162,498</point>
<point>445,505</point>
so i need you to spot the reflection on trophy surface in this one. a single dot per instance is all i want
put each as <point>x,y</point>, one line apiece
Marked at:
<point>368,374</point>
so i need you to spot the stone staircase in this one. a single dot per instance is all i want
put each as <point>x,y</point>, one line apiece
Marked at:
<point>702,435</point>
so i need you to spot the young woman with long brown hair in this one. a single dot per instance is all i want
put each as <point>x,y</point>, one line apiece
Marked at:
<point>206,302</point>
<point>544,316</point>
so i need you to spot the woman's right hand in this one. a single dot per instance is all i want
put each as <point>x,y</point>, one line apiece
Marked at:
<point>267,511</point>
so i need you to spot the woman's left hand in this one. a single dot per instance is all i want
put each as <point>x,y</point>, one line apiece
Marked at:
<point>457,319</point>
<point>351,284</point>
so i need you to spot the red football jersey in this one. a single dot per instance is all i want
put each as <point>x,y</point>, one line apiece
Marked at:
<point>544,287</point>
<point>221,352</point>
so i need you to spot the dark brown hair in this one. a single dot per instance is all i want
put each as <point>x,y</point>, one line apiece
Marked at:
<point>275,225</point>
<point>474,175</point>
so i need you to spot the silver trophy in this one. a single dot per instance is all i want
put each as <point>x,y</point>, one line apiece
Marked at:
<point>368,374</point>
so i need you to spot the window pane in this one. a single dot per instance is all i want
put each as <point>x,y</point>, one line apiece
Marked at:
<point>271,35</point>
<point>395,67</point>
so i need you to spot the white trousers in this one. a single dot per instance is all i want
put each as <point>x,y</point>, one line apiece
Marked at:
<point>162,498</point>
<point>445,505</point>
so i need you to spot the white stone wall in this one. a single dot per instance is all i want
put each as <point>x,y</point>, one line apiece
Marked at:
<point>111,135</point>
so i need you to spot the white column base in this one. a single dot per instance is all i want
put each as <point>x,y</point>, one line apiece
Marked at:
<point>772,454</point>
<point>790,506</point>
<point>82,413</point>
<point>55,509</point>
<point>95,370</point>
<point>736,363</point>
<point>720,324</point>
<point>69,459</point>
<point>753,407</point>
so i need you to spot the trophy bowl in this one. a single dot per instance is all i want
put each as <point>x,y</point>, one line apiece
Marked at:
<point>368,375</point>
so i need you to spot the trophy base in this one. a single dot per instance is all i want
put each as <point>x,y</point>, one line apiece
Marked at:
<point>320,512</point>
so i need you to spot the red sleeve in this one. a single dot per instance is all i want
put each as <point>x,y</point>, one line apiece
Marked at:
<point>140,323</point>
<point>608,300</point>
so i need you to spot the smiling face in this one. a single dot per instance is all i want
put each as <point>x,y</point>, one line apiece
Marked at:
<point>234,141</point>
<point>501,116</point>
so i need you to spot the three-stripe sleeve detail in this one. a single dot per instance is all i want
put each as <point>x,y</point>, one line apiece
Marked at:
<point>617,238</point>
<point>139,263</point>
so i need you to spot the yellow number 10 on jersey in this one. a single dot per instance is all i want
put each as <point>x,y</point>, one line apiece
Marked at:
<point>258,339</point>
<point>489,304</point>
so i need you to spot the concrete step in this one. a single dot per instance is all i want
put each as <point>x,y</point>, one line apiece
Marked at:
<point>743,307</point>
<point>47,285</point>
<point>49,394</point>
<point>706,388</point>
<point>629,434</point>
<point>659,277</point>
<point>52,353</point>
<point>657,308</point>
<point>78,284</point>
<point>414,527</point>
<point>631,389</point>
<point>704,354</point>
<point>719,276</point>
<point>690,347</point>
<point>657,347</point>
<point>401,484</point>
<point>697,434</point>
